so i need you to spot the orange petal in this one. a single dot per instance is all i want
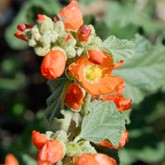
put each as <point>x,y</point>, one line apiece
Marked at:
<point>38,139</point>
<point>119,64</point>
<point>11,160</point>
<point>51,152</point>
<point>83,33</point>
<point>74,96</point>
<point>104,85</point>
<point>122,104</point>
<point>86,159</point>
<point>104,159</point>
<point>53,64</point>
<point>123,140</point>
<point>96,56</point>
<point>71,16</point>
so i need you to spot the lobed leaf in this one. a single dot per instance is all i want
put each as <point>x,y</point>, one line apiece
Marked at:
<point>119,49</point>
<point>102,122</point>
<point>145,73</point>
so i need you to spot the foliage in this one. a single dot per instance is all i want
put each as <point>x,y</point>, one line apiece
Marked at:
<point>144,76</point>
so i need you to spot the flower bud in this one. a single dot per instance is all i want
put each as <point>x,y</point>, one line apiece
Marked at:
<point>11,160</point>
<point>68,13</point>
<point>20,29</point>
<point>52,152</point>
<point>53,64</point>
<point>74,96</point>
<point>83,33</point>
<point>96,56</point>
<point>38,139</point>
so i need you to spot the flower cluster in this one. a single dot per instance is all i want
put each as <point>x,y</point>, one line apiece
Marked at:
<point>72,50</point>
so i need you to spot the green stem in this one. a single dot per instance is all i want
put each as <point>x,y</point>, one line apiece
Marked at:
<point>87,100</point>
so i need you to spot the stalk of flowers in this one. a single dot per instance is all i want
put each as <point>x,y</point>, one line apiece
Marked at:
<point>72,50</point>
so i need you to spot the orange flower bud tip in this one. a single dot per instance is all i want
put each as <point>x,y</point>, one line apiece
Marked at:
<point>83,33</point>
<point>40,18</point>
<point>96,56</point>
<point>23,27</point>
<point>19,35</point>
<point>69,37</point>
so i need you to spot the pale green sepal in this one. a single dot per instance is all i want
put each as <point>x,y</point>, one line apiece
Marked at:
<point>45,25</point>
<point>70,52</point>
<point>59,27</point>
<point>75,149</point>
<point>119,49</point>
<point>41,51</point>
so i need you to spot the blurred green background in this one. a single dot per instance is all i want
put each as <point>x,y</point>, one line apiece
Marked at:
<point>23,91</point>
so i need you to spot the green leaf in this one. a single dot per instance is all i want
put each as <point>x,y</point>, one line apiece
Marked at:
<point>128,15</point>
<point>28,14</point>
<point>55,102</point>
<point>26,159</point>
<point>102,122</point>
<point>119,49</point>
<point>86,1</point>
<point>145,73</point>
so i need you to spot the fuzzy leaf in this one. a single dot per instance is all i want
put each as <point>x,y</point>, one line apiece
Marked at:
<point>55,102</point>
<point>145,73</point>
<point>102,122</point>
<point>119,49</point>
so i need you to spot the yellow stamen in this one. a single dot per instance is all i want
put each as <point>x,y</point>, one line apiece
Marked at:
<point>93,72</point>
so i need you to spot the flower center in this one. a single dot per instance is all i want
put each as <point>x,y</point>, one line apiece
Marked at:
<point>93,72</point>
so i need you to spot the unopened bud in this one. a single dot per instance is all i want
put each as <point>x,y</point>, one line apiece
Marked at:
<point>83,33</point>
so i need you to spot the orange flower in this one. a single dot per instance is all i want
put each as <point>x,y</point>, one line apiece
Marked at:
<point>74,96</point>
<point>71,16</point>
<point>83,33</point>
<point>11,160</point>
<point>20,30</point>
<point>38,139</point>
<point>122,142</point>
<point>53,64</point>
<point>96,159</point>
<point>122,104</point>
<point>97,79</point>
<point>51,152</point>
